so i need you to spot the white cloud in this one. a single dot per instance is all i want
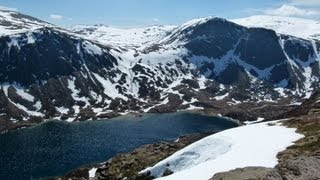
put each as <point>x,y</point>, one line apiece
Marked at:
<point>305,2</point>
<point>8,8</point>
<point>56,16</point>
<point>289,10</point>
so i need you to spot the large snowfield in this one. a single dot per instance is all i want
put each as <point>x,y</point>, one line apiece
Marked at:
<point>251,145</point>
<point>303,28</point>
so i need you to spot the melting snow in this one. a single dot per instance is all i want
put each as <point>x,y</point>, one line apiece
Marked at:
<point>92,48</point>
<point>109,88</point>
<point>72,87</point>
<point>31,39</point>
<point>281,91</point>
<point>76,109</point>
<point>192,107</point>
<point>24,95</point>
<point>38,105</point>
<point>256,121</point>
<point>251,145</point>
<point>62,110</point>
<point>92,172</point>
<point>71,119</point>
<point>221,64</point>
<point>218,98</point>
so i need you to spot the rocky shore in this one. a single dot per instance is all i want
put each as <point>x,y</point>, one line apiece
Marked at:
<point>128,165</point>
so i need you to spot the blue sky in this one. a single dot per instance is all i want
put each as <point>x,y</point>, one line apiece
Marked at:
<point>129,13</point>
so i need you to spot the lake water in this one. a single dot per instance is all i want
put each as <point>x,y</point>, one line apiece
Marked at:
<point>56,147</point>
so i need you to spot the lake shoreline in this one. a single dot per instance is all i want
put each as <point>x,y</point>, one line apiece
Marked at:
<point>239,113</point>
<point>56,147</point>
<point>29,124</point>
<point>155,151</point>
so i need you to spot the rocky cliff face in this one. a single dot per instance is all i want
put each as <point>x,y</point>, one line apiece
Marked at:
<point>220,48</point>
<point>47,71</point>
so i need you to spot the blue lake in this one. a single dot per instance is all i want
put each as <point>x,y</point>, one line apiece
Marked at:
<point>56,147</point>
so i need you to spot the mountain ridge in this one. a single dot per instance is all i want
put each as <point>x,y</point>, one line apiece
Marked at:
<point>209,63</point>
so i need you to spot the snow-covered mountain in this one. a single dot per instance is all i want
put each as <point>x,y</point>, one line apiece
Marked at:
<point>133,37</point>
<point>303,28</point>
<point>230,53</point>
<point>98,71</point>
<point>14,22</point>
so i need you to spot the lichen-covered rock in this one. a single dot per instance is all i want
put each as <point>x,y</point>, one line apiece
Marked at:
<point>300,168</point>
<point>258,173</point>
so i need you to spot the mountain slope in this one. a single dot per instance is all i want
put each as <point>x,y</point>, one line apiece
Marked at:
<point>51,72</point>
<point>220,48</point>
<point>14,22</point>
<point>93,72</point>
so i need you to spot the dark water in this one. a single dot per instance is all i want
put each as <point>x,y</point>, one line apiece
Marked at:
<point>56,147</point>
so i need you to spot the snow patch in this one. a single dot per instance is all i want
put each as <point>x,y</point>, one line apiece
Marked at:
<point>253,122</point>
<point>24,94</point>
<point>192,107</point>
<point>62,110</point>
<point>109,88</point>
<point>72,87</point>
<point>251,145</point>
<point>92,48</point>
<point>38,105</point>
<point>218,98</point>
<point>92,172</point>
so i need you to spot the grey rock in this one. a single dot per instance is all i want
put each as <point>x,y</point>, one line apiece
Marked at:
<point>300,168</point>
<point>249,173</point>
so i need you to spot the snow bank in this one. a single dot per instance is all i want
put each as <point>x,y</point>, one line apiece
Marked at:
<point>92,172</point>
<point>251,145</point>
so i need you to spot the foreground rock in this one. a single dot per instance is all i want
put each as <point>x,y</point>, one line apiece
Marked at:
<point>300,168</point>
<point>249,173</point>
<point>297,168</point>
